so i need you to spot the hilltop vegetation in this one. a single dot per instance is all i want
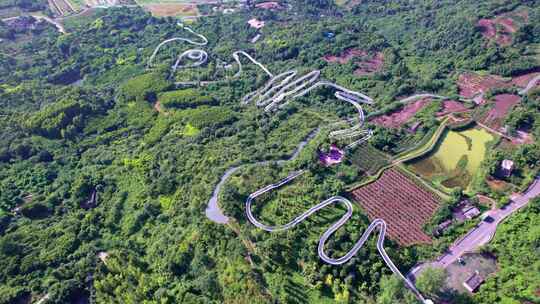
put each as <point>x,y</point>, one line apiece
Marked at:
<point>103,192</point>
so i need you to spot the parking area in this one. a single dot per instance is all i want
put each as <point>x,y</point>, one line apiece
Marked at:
<point>460,271</point>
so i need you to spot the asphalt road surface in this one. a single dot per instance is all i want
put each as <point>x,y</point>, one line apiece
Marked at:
<point>483,232</point>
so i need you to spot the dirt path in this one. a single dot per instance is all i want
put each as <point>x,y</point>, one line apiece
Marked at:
<point>530,85</point>
<point>494,131</point>
<point>57,24</point>
<point>38,17</point>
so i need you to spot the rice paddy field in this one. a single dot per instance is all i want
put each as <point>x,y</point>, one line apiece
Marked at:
<point>455,160</point>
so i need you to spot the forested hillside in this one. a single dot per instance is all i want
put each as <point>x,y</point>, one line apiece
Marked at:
<point>107,164</point>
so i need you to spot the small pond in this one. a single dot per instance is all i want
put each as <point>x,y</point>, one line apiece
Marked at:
<point>455,160</point>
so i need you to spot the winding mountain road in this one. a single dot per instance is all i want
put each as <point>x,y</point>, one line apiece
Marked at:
<point>376,224</point>
<point>200,56</point>
<point>214,212</point>
<point>275,94</point>
<point>283,88</point>
<point>279,90</point>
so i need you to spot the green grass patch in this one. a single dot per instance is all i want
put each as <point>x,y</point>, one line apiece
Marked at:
<point>368,159</point>
<point>190,130</point>
<point>181,99</point>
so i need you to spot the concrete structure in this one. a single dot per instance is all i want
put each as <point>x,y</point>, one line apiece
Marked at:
<point>473,282</point>
<point>507,166</point>
<point>471,213</point>
<point>334,156</point>
<point>442,227</point>
<point>465,211</point>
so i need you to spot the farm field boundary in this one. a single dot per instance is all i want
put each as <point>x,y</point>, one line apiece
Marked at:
<point>424,148</point>
<point>369,159</point>
<point>455,161</point>
<point>418,152</point>
<point>442,194</point>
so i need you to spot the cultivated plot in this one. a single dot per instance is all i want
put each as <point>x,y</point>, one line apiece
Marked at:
<point>401,203</point>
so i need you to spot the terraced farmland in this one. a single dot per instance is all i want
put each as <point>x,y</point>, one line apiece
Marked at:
<point>368,159</point>
<point>62,7</point>
<point>401,203</point>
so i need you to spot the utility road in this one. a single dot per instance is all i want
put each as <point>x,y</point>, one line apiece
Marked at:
<point>533,83</point>
<point>38,17</point>
<point>483,232</point>
<point>376,224</point>
<point>57,24</point>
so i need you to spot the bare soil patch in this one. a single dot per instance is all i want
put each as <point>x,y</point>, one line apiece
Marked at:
<point>366,63</point>
<point>522,80</point>
<point>501,107</point>
<point>487,28</point>
<point>522,137</point>
<point>451,106</point>
<point>501,28</point>
<point>172,9</point>
<point>270,5</point>
<point>370,65</point>
<point>397,118</point>
<point>498,185</point>
<point>486,201</point>
<point>472,84</point>
<point>345,56</point>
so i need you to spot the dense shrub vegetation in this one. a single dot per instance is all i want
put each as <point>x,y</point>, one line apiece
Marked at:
<point>79,127</point>
<point>188,98</point>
